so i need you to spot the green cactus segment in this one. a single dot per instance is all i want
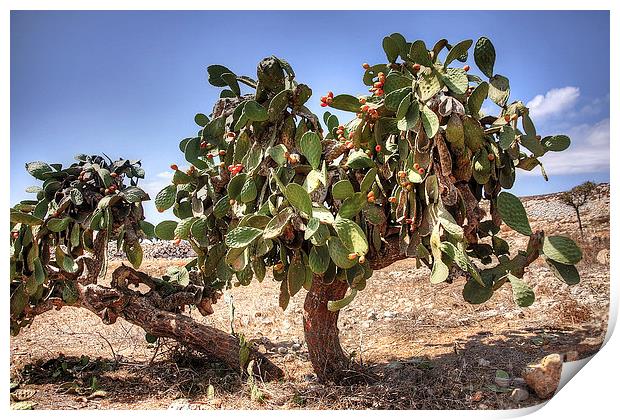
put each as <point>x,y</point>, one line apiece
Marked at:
<point>477,97</point>
<point>458,51</point>
<point>474,134</point>
<point>456,81</point>
<point>346,103</point>
<point>24,218</point>
<point>430,121</point>
<point>277,224</point>
<point>336,305</point>
<point>411,117</point>
<point>522,293</point>
<point>395,98</point>
<point>342,190</point>
<point>130,194</point>
<point>183,228</point>
<point>319,259</point>
<point>339,253</point>
<point>481,167</point>
<point>403,107</point>
<point>311,148</point>
<point>499,89</point>
<point>201,120</point>
<point>562,250</point>
<point>134,254</point>
<point>351,235</point>
<point>58,225</point>
<point>65,261</point>
<point>419,54</point>
<point>296,276</point>
<point>352,205</point>
<point>165,230</point>
<point>166,198</point>
<point>241,237</point>
<point>255,111</point>
<point>359,160</point>
<point>221,207</point>
<point>428,86</point>
<point>556,143</point>
<point>454,131</point>
<point>566,273</point>
<point>299,198</point>
<point>506,137</point>
<point>533,145</point>
<point>395,82</point>
<point>368,180</point>
<point>248,191</point>
<point>278,154</point>
<point>391,48</point>
<point>39,169</point>
<point>215,72</point>
<point>484,56</point>
<point>513,214</point>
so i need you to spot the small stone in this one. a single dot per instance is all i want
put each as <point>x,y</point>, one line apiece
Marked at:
<point>394,365</point>
<point>602,257</point>
<point>282,350</point>
<point>296,347</point>
<point>519,394</point>
<point>483,362</point>
<point>544,377</point>
<point>372,316</point>
<point>389,314</point>
<point>571,356</point>
<point>518,382</point>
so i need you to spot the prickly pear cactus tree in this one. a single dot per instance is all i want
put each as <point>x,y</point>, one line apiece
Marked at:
<point>58,257</point>
<point>324,203</point>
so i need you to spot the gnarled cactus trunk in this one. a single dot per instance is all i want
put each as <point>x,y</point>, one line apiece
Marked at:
<point>328,359</point>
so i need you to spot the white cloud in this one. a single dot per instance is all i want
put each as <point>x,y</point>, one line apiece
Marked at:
<point>554,102</point>
<point>589,151</point>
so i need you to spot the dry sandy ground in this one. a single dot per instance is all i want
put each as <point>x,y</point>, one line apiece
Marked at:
<point>430,349</point>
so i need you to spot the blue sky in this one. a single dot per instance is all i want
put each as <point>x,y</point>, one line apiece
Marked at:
<point>129,83</point>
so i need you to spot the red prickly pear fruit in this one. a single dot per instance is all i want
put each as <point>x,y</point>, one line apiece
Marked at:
<point>114,175</point>
<point>378,85</point>
<point>402,174</point>
<point>222,152</point>
<point>366,66</point>
<point>278,267</point>
<point>362,259</point>
<point>362,101</point>
<point>491,156</point>
<point>392,200</point>
<point>323,104</point>
<point>379,92</point>
<point>323,98</point>
<point>416,166</point>
<point>421,171</point>
<point>352,256</point>
<point>210,156</point>
<point>378,148</point>
<point>416,67</point>
<point>466,67</point>
<point>203,144</point>
<point>365,108</point>
<point>174,167</point>
<point>507,118</point>
<point>177,241</point>
<point>15,235</point>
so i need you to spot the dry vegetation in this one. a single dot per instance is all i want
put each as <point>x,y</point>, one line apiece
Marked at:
<point>429,348</point>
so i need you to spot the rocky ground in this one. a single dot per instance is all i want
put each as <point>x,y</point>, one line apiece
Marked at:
<point>430,349</point>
